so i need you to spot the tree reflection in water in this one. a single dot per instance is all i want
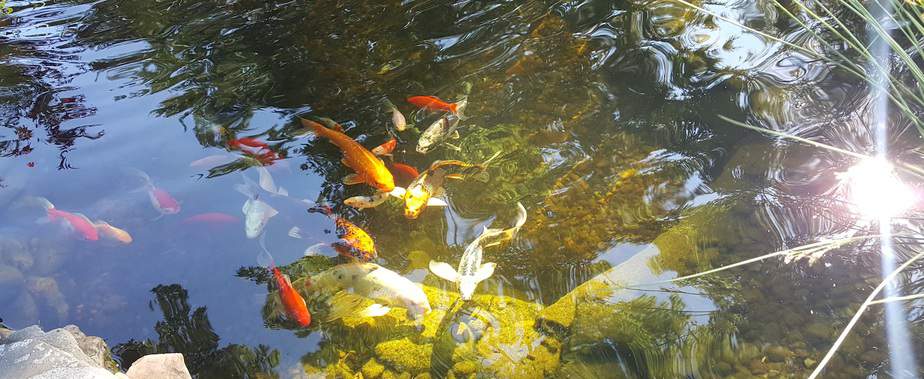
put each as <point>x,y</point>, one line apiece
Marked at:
<point>188,331</point>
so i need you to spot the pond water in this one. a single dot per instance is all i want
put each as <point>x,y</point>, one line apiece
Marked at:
<point>607,117</point>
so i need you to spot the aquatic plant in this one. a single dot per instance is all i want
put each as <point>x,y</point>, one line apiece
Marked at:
<point>830,28</point>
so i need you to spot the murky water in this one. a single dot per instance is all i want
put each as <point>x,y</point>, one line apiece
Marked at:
<point>606,118</point>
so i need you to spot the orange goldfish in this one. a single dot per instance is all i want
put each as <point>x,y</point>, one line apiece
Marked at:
<point>386,148</point>
<point>433,103</point>
<point>368,168</point>
<point>293,303</point>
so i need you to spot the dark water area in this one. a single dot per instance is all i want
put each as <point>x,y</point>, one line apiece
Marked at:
<point>608,120</point>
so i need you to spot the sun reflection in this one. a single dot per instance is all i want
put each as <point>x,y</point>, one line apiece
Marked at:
<point>876,191</point>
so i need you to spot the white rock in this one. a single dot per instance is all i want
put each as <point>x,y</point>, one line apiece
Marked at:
<point>159,366</point>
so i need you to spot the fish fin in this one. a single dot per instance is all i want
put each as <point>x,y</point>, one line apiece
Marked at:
<point>444,270</point>
<point>353,179</point>
<point>282,191</point>
<point>375,310</point>
<point>451,146</point>
<point>398,192</point>
<point>485,271</point>
<point>521,217</point>
<point>158,217</point>
<point>455,135</point>
<point>343,304</point>
<point>344,162</point>
<point>43,220</point>
<point>455,176</point>
<point>248,188</point>
<point>266,180</point>
<point>437,202</point>
<point>454,108</point>
<point>264,258</point>
<point>295,232</point>
<point>141,174</point>
<point>337,127</point>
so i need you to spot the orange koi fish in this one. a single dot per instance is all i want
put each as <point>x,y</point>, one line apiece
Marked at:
<point>73,221</point>
<point>293,303</point>
<point>368,168</point>
<point>354,242</point>
<point>433,103</point>
<point>403,173</point>
<point>247,141</point>
<point>386,148</point>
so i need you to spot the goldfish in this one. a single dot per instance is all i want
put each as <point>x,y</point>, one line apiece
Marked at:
<point>247,141</point>
<point>386,148</point>
<point>75,222</point>
<point>440,131</point>
<point>368,168</point>
<point>293,303</point>
<point>433,103</point>
<point>111,232</point>
<point>429,184</point>
<point>397,118</point>
<point>267,201</point>
<point>403,172</point>
<point>211,218</point>
<point>471,270</point>
<point>354,242</point>
<point>377,283</point>
<point>160,199</point>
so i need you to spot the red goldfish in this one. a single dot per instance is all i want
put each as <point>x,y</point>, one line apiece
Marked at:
<point>404,172</point>
<point>386,148</point>
<point>160,199</point>
<point>293,303</point>
<point>247,141</point>
<point>433,103</point>
<point>368,168</point>
<point>73,221</point>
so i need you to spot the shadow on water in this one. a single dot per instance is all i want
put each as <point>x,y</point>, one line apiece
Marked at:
<point>188,331</point>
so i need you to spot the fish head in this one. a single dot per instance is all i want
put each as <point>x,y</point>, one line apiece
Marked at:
<point>357,202</point>
<point>417,308</point>
<point>467,285</point>
<point>415,200</point>
<point>424,145</point>
<point>256,215</point>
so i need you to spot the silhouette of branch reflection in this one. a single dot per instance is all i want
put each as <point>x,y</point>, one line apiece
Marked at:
<point>188,331</point>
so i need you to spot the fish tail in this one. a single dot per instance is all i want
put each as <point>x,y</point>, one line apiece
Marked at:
<point>322,208</point>
<point>148,184</point>
<point>315,127</point>
<point>264,258</point>
<point>454,108</point>
<point>36,201</point>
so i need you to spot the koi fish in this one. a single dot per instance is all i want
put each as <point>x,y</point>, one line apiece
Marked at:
<point>375,282</point>
<point>442,130</point>
<point>471,270</point>
<point>433,103</point>
<point>429,185</point>
<point>363,202</point>
<point>111,232</point>
<point>76,222</point>
<point>293,303</point>
<point>396,117</point>
<point>160,199</point>
<point>267,201</point>
<point>386,148</point>
<point>354,242</point>
<point>210,218</point>
<point>368,168</point>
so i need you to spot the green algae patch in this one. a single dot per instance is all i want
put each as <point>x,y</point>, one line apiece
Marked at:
<point>405,355</point>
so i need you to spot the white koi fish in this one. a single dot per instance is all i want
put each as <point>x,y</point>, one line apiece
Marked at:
<point>471,270</point>
<point>377,283</point>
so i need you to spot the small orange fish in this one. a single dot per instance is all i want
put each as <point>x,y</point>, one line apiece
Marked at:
<point>433,103</point>
<point>368,168</point>
<point>293,304</point>
<point>111,232</point>
<point>403,173</point>
<point>386,148</point>
<point>247,141</point>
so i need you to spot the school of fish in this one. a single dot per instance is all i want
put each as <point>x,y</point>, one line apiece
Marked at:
<point>357,274</point>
